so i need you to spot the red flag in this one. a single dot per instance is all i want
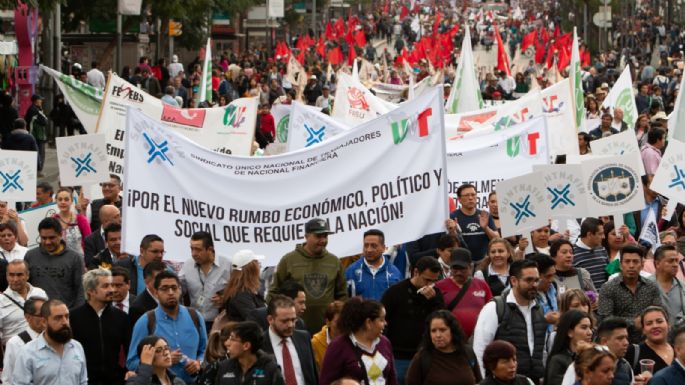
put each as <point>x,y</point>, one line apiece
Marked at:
<point>539,51</point>
<point>330,35</point>
<point>564,59</point>
<point>349,38</point>
<point>335,56</point>
<point>321,47</point>
<point>300,57</point>
<point>585,59</point>
<point>528,40</point>
<point>339,28</point>
<point>557,32</point>
<point>404,12</point>
<point>436,23</point>
<point>360,38</point>
<point>352,55</point>
<point>502,58</point>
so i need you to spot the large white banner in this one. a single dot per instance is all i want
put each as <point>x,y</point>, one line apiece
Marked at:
<point>676,120</point>
<point>308,127</point>
<point>82,160</point>
<point>83,98</point>
<point>18,175</point>
<point>228,130</point>
<point>377,176</point>
<point>485,160</point>
<point>669,179</point>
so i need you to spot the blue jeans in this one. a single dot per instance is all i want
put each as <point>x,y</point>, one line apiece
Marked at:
<point>401,367</point>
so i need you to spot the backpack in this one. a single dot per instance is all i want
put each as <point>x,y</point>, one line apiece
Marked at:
<point>152,320</point>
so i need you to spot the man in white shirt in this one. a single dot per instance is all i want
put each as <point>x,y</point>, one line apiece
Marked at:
<point>507,83</point>
<point>175,67</point>
<point>9,248</point>
<point>95,77</point>
<point>35,327</point>
<point>326,99</point>
<point>12,320</point>
<point>121,282</point>
<point>511,316</point>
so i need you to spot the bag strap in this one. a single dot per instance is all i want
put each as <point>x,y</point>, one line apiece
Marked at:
<point>151,320</point>
<point>25,336</point>
<point>13,300</point>
<point>459,295</point>
<point>636,356</point>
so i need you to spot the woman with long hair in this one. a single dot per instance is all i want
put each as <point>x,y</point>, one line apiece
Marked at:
<point>214,354</point>
<point>574,327</point>
<point>75,227</point>
<point>444,357</point>
<point>494,268</point>
<point>594,365</point>
<point>241,295</point>
<point>361,352</point>
<point>592,108</point>
<point>155,361</point>
<point>499,360</point>
<point>641,129</point>
<point>568,276</point>
<point>655,347</point>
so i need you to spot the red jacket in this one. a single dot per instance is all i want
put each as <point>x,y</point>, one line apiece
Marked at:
<point>267,125</point>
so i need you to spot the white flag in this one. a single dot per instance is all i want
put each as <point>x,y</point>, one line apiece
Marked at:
<point>576,79</point>
<point>621,95</point>
<point>206,84</point>
<point>465,95</point>
<point>676,121</point>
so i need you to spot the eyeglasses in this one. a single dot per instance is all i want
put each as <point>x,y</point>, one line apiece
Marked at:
<point>161,349</point>
<point>234,339</point>
<point>167,288</point>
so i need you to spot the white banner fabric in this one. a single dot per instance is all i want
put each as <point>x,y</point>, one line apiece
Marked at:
<point>308,127</point>
<point>176,187</point>
<point>83,98</point>
<point>228,130</point>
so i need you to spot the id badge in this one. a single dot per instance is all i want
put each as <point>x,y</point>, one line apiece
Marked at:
<point>200,300</point>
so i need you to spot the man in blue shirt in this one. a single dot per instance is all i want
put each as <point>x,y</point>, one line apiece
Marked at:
<point>372,274</point>
<point>53,358</point>
<point>151,249</point>
<point>476,226</point>
<point>182,327</point>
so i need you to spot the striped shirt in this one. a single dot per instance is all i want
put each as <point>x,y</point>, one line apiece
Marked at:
<point>592,260</point>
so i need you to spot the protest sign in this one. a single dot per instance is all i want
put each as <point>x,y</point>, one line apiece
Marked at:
<point>177,187</point>
<point>669,179</point>
<point>485,160</point>
<point>82,160</point>
<point>308,127</point>
<point>522,204</point>
<point>18,175</point>
<point>32,218</point>
<point>613,184</point>
<point>228,129</point>
<point>565,191</point>
<point>557,106</point>
<point>83,98</point>
<point>281,114</point>
<point>619,144</point>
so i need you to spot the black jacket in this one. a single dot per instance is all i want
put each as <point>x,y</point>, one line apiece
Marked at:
<point>265,371</point>
<point>93,244</point>
<point>130,264</point>
<point>303,346</point>
<point>103,338</point>
<point>19,140</point>
<point>140,306</point>
<point>95,207</point>
<point>101,259</point>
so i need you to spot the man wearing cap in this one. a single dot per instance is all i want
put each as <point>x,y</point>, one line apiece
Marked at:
<point>312,90</point>
<point>319,271</point>
<point>37,123</point>
<point>372,274</point>
<point>205,276</point>
<point>476,293</point>
<point>19,138</point>
<point>326,99</point>
<point>175,67</point>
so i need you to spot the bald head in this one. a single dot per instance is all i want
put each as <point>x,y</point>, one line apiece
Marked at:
<point>109,214</point>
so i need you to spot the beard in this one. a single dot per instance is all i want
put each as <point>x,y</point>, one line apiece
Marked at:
<point>61,336</point>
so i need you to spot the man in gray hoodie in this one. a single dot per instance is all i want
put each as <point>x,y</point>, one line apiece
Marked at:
<point>54,267</point>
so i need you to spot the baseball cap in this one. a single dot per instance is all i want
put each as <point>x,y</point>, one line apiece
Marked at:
<point>35,97</point>
<point>317,226</point>
<point>461,257</point>
<point>244,257</point>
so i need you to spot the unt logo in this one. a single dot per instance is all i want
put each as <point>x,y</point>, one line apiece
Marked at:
<point>235,116</point>
<point>418,126</point>
<point>551,104</point>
